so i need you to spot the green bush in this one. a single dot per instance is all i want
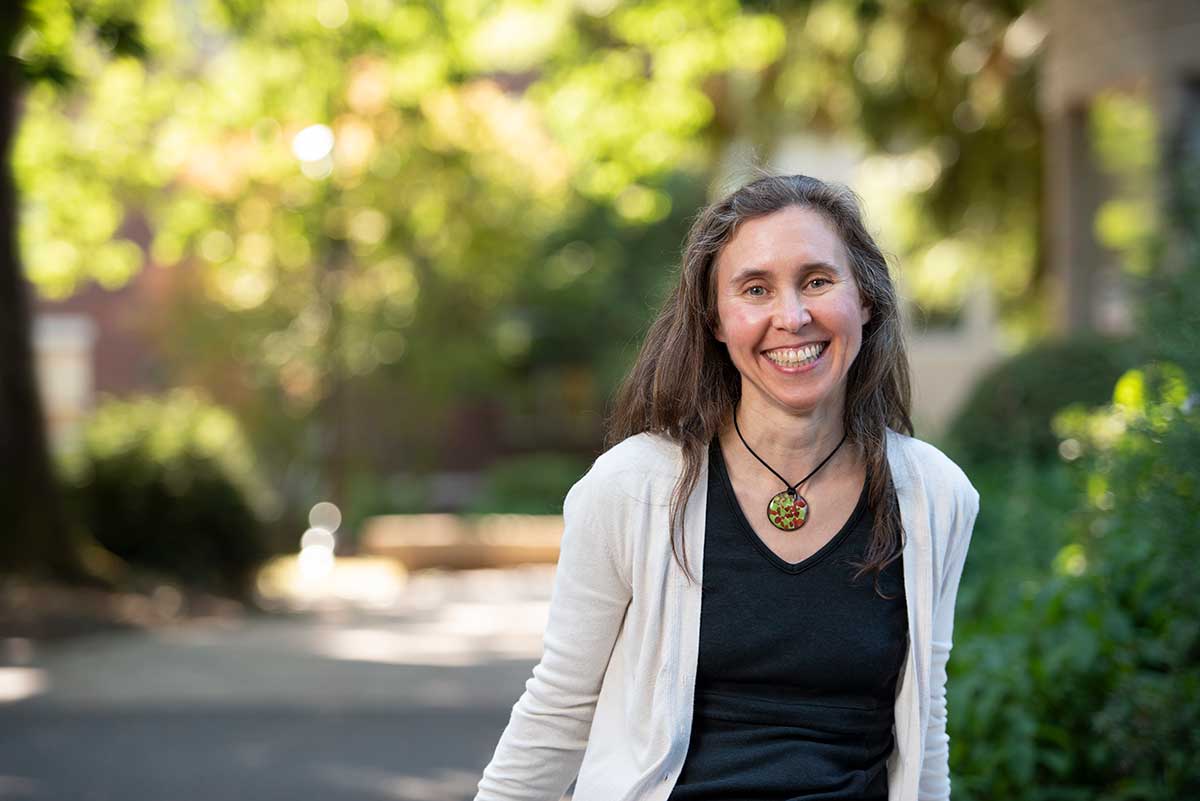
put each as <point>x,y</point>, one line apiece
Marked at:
<point>1088,686</point>
<point>1007,415</point>
<point>1079,677</point>
<point>371,494</point>
<point>1024,513</point>
<point>169,485</point>
<point>530,484</point>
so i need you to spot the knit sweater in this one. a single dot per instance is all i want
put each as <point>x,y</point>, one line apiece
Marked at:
<point>611,700</point>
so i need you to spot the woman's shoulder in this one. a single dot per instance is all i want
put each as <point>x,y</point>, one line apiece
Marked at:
<point>932,465</point>
<point>646,452</point>
<point>641,468</point>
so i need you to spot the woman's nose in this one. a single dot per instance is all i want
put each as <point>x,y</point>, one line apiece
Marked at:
<point>791,312</point>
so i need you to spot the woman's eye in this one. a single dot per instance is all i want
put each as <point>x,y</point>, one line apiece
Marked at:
<point>751,291</point>
<point>815,280</point>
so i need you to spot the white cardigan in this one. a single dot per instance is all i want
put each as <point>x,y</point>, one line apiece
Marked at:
<point>611,699</point>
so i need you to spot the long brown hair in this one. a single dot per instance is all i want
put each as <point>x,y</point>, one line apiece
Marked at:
<point>685,387</point>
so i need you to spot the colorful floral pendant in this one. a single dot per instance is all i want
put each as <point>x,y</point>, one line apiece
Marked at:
<point>788,510</point>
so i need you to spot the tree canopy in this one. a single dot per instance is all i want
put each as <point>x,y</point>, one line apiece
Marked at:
<point>453,194</point>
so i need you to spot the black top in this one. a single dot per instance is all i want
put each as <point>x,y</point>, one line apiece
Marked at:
<point>796,679</point>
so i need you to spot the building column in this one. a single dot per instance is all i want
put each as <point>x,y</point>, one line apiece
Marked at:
<point>1073,193</point>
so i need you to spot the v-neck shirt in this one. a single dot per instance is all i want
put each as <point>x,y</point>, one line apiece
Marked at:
<point>798,663</point>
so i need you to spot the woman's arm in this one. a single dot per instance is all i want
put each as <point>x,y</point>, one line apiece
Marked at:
<point>542,747</point>
<point>935,767</point>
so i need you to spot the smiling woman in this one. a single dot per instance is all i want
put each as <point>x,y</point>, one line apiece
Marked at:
<point>710,635</point>
<point>788,305</point>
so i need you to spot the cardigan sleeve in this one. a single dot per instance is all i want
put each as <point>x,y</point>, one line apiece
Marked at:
<point>935,768</point>
<point>541,749</point>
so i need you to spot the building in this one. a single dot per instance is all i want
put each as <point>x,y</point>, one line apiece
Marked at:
<point>1146,51</point>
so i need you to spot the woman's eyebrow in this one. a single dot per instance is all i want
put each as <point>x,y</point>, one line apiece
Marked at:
<point>749,273</point>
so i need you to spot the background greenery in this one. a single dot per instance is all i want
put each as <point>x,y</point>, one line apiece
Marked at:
<point>507,187</point>
<point>171,485</point>
<point>454,219</point>
<point>1076,673</point>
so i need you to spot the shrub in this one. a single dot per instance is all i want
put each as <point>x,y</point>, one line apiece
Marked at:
<point>1007,415</point>
<point>530,484</point>
<point>371,494</point>
<point>1023,522</point>
<point>1089,687</point>
<point>169,484</point>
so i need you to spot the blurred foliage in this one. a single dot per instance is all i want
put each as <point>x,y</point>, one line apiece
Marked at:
<point>170,484</point>
<point>47,43</point>
<point>372,493</point>
<point>943,95</point>
<point>1078,676</point>
<point>1082,677</point>
<point>461,198</point>
<point>1124,135</point>
<point>1022,525</point>
<point>1007,416</point>
<point>369,190</point>
<point>531,484</point>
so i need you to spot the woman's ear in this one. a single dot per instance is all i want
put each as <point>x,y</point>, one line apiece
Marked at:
<point>866,313</point>
<point>714,325</point>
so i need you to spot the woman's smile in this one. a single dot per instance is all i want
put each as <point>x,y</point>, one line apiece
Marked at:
<point>799,359</point>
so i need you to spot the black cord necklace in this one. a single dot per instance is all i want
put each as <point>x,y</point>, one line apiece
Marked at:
<point>788,510</point>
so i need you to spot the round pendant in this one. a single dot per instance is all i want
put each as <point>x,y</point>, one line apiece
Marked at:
<point>788,510</point>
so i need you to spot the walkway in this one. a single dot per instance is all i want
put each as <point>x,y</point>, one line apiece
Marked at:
<point>342,704</point>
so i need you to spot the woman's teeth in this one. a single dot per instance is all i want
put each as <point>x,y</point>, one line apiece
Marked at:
<point>797,357</point>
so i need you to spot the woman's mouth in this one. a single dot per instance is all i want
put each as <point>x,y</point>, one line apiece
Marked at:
<point>797,359</point>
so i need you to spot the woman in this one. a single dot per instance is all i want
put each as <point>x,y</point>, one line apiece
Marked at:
<point>791,642</point>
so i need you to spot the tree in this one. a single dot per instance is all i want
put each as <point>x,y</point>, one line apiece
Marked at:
<point>942,96</point>
<point>382,155</point>
<point>38,535</point>
<point>427,166</point>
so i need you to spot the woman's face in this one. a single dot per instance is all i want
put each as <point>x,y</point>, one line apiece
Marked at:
<point>783,286</point>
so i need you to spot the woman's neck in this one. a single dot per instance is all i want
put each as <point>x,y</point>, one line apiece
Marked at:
<point>793,444</point>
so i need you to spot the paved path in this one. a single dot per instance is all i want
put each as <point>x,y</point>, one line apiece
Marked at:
<point>404,703</point>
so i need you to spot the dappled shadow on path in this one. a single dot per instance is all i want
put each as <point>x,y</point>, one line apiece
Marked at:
<point>401,703</point>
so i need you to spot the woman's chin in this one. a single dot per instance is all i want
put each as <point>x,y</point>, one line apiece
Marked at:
<point>792,402</point>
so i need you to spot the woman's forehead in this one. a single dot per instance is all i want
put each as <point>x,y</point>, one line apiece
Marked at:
<point>790,239</point>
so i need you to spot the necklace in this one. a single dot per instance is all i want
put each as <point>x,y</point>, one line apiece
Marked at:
<point>788,510</point>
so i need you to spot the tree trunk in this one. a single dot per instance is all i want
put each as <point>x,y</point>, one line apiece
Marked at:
<point>34,533</point>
